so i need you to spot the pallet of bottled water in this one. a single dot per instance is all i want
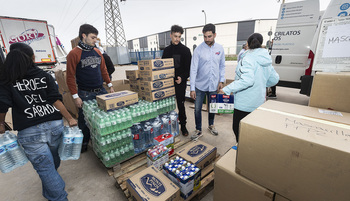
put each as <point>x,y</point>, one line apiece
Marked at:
<point>11,153</point>
<point>120,134</point>
<point>70,146</point>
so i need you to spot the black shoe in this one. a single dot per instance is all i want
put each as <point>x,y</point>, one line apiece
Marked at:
<point>184,130</point>
<point>84,148</point>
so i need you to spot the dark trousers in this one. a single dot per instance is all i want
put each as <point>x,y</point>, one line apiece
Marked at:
<point>180,91</point>
<point>85,96</point>
<point>273,90</point>
<point>238,115</point>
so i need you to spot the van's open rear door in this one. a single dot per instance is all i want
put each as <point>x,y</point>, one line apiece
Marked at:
<point>333,46</point>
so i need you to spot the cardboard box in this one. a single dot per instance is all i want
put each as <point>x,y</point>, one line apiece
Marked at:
<point>159,162</point>
<point>156,75</point>
<point>132,74</point>
<point>68,102</point>
<point>118,85</point>
<point>155,64</point>
<point>199,153</point>
<point>182,177</point>
<point>116,100</point>
<point>61,81</point>
<point>221,103</point>
<point>152,184</point>
<point>157,95</point>
<point>156,85</point>
<point>331,91</point>
<point>230,186</point>
<point>299,152</point>
<point>135,85</point>
<point>166,140</point>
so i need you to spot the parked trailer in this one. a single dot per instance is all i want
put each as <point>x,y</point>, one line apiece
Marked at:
<point>34,33</point>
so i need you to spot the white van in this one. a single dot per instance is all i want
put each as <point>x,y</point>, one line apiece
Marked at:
<point>297,42</point>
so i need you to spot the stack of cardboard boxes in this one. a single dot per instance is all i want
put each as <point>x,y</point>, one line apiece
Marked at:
<point>156,79</point>
<point>134,79</point>
<point>292,152</point>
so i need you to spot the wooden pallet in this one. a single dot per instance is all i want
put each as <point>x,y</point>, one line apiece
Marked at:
<point>139,163</point>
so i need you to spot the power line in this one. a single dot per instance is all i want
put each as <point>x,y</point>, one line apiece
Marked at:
<point>77,15</point>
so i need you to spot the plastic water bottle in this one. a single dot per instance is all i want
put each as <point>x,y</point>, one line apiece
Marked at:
<point>147,128</point>
<point>138,140</point>
<point>71,143</point>
<point>166,124</point>
<point>15,151</point>
<point>174,123</point>
<point>78,142</point>
<point>157,127</point>
<point>6,162</point>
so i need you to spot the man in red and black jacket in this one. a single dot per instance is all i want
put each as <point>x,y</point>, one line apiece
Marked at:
<point>86,71</point>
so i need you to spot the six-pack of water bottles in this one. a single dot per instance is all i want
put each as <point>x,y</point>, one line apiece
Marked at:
<point>70,146</point>
<point>11,153</point>
<point>119,134</point>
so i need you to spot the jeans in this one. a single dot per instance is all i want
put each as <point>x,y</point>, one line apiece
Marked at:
<point>40,144</point>
<point>85,96</point>
<point>198,108</point>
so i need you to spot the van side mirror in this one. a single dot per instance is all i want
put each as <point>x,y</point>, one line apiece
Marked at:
<point>278,59</point>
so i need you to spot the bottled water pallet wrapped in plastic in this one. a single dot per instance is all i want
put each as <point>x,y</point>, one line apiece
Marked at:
<point>11,153</point>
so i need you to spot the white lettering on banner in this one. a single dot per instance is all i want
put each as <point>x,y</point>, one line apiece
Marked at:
<point>40,110</point>
<point>31,85</point>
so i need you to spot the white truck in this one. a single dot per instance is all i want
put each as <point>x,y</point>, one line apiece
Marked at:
<point>37,34</point>
<point>299,49</point>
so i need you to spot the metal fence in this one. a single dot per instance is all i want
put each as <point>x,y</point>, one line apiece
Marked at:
<point>145,55</point>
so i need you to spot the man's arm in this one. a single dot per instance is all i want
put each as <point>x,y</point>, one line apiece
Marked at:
<point>73,59</point>
<point>59,105</point>
<point>186,65</point>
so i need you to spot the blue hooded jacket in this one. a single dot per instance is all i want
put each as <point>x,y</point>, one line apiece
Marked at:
<point>254,73</point>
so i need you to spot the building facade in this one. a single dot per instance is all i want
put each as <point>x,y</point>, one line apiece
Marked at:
<point>231,35</point>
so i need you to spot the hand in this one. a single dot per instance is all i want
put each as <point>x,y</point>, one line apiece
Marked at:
<point>193,95</point>
<point>78,102</point>
<point>2,128</point>
<point>221,91</point>
<point>220,86</point>
<point>72,122</point>
<point>178,81</point>
<point>111,90</point>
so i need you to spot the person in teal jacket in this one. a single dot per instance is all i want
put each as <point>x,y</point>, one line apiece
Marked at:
<point>254,73</point>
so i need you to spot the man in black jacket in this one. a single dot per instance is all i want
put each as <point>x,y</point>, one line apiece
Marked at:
<point>182,62</point>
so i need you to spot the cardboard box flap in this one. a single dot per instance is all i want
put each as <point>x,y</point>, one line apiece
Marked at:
<point>314,130</point>
<point>151,184</point>
<point>312,112</point>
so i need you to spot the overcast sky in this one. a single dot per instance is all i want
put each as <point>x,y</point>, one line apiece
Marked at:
<point>140,17</point>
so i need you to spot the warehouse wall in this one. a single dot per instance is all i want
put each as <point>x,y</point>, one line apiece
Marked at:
<point>153,42</point>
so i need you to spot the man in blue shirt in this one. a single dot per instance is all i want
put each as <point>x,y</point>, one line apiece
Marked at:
<point>206,76</point>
